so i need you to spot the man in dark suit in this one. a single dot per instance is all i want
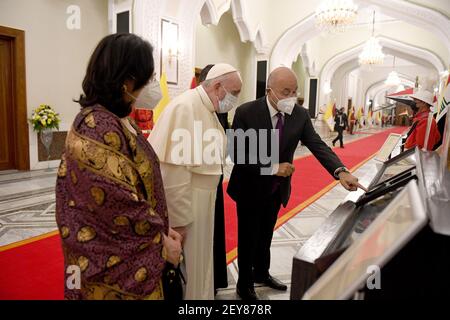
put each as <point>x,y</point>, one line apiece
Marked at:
<point>340,124</point>
<point>259,195</point>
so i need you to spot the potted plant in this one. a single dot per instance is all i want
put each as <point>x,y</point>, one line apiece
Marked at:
<point>44,120</point>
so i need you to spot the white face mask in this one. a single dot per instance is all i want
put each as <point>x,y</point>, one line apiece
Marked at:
<point>227,103</point>
<point>286,105</point>
<point>149,97</point>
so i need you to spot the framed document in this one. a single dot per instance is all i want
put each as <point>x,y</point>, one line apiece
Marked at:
<point>388,146</point>
<point>397,224</point>
<point>169,50</point>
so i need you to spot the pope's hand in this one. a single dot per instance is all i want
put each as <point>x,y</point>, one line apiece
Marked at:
<point>350,182</point>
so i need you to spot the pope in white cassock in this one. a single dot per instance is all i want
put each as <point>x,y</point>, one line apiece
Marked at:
<point>191,146</point>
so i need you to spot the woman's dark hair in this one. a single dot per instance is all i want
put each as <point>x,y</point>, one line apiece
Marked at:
<point>117,58</point>
<point>204,73</point>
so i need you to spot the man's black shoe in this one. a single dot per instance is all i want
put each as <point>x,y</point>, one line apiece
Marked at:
<point>247,294</point>
<point>273,283</point>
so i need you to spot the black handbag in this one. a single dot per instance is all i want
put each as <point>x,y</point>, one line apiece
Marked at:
<point>173,282</point>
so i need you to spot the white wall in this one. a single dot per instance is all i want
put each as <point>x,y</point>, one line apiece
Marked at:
<point>277,16</point>
<point>56,57</point>
<point>222,43</point>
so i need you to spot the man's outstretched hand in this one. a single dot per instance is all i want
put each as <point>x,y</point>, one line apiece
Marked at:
<point>350,182</point>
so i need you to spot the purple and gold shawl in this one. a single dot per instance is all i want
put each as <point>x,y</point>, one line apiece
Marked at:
<point>111,210</point>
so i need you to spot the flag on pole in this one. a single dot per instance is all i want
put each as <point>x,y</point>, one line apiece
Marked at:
<point>359,114</point>
<point>370,118</point>
<point>350,112</point>
<point>328,117</point>
<point>194,83</point>
<point>444,101</point>
<point>379,118</point>
<point>165,99</point>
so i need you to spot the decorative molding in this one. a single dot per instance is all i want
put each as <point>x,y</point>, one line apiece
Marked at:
<point>187,18</point>
<point>379,87</point>
<point>342,58</point>
<point>291,42</point>
<point>423,17</point>
<point>374,89</point>
<point>211,15</point>
<point>256,36</point>
<point>339,89</point>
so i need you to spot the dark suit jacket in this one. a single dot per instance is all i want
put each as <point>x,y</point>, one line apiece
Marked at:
<point>223,119</point>
<point>337,125</point>
<point>246,182</point>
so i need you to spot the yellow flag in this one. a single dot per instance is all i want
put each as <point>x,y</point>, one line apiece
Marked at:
<point>165,99</point>
<point>328,116</point>
<point>360,113</point>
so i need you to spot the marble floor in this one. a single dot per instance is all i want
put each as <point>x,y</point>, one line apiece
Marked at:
<point>27,209</point>
<point>290,237</point>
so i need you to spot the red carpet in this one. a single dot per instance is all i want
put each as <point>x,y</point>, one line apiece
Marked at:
<point>33,269</point>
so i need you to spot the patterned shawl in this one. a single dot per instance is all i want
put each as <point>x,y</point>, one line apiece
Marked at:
<point>111,211</point>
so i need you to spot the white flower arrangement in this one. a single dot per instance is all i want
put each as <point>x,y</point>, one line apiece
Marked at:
<point>44,117</point>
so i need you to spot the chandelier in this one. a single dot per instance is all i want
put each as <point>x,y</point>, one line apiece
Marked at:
<point>393,78</point>
<point>336,15</point>
<point>372,53</point>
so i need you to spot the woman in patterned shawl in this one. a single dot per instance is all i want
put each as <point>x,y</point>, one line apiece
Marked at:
<point>110,204</point>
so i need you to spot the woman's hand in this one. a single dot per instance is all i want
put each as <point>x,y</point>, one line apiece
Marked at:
<point>173,250</point>
<point>175,235</point>
<point>182,231</point>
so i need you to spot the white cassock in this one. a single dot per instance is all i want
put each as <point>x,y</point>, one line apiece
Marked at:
<point>190,144</point>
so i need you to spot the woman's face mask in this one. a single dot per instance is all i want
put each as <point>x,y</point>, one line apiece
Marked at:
<point>149,97</point>
<point>227,103</point>
<point>285,105</point>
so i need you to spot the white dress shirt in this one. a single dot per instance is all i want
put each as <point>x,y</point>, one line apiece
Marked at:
<point>274,118</point>
<point>273,113</point>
